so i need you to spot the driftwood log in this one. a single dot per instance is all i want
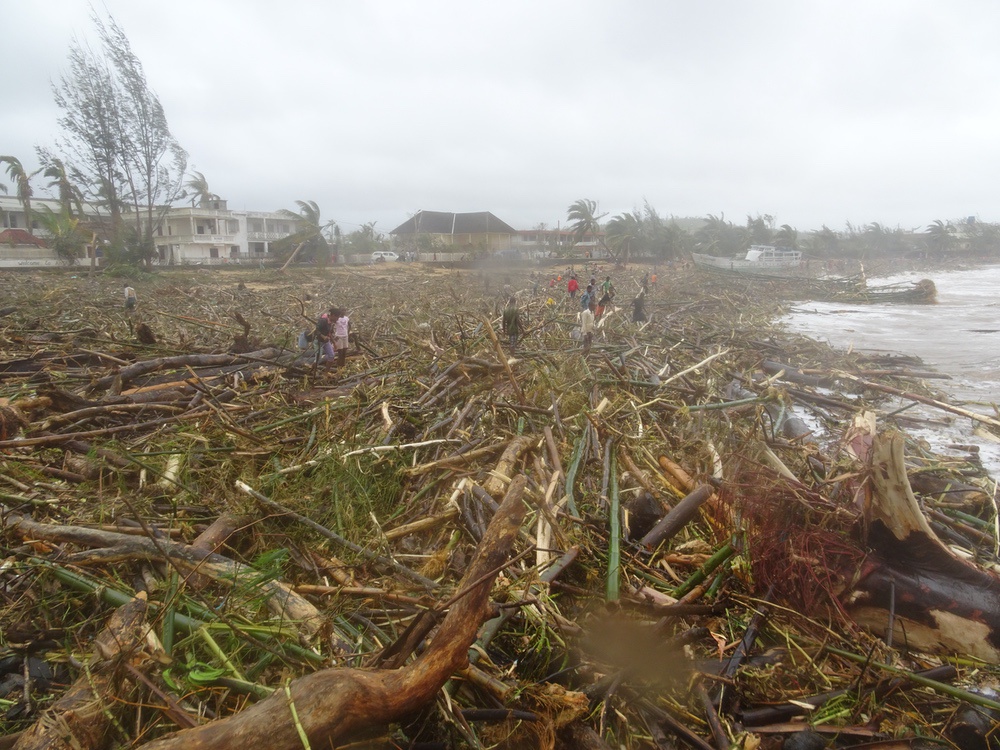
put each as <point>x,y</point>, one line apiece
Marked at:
<point>335,703</point>
<point>912,584</point>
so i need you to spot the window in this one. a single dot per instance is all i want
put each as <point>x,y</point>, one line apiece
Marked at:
<point>255,225</point>
<point>213,252</point>
<point>234,226</point>
<point>201,229</point>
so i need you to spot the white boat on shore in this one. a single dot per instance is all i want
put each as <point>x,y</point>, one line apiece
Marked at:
<point>759,259</point>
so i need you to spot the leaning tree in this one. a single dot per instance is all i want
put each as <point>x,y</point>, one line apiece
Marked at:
<point>116,140</point>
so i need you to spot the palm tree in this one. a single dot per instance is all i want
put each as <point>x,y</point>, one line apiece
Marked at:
<point>786,236</point>
<point>65,235</point>
<point>876,238</point>
<point>311,233</point>
<point>825,241</point>
<point>22,183</point>
<point>940,236</point>
<point>69,194</point>
<point>720,237</point>
<point>581,215</point>
<point>675,240</point>
<point>624,231</point>
<point>760,229</point>
<point>199,189</point>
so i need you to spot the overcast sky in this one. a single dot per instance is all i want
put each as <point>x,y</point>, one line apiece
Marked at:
<point>813,112</point>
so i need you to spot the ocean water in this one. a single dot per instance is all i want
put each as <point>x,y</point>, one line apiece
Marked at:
<point>958,336</point>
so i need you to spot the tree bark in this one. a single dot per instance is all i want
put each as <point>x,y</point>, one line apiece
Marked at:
<point>333,703</point>
<point>80,719</point>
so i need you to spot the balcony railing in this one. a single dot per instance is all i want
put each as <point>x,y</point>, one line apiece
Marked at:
<point>266,236</point>
<point>198,239</point>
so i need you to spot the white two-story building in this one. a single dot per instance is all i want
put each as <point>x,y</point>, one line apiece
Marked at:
<point>207,234</point>
<point>211,234</point>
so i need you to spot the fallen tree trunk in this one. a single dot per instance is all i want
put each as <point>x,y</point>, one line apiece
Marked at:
<point>80,719</point>
<point>185,360</point>
<point>329,705</point>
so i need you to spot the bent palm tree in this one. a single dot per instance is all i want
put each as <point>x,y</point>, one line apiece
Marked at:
<point>581,214</point>
<point>624,231</point>
<point>70,196</point>
<point>311,232</point>
<point>940,236</point>
<point>787,236</point>
<point>199,188</point>
<point>64,233</point>
<point>22,184</point>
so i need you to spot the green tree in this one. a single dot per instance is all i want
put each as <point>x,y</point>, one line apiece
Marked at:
<point>983,239</point>
<point>876,238</point>
<point>940,237</point>
<point>825,242</point>
<point>720,237</point>
<point>676,241</point>
<point>65,235</point>
<point>584,223</point>
<point>664,239</point>
<point>365,240</point>
<point>624,234</point>
<point>761,229</point>
<point>22,185</point>
<point>309,239</point>
<point>117,141</point>
<point>786,236</point>
<point>200,192</point>
<point>70,196</point>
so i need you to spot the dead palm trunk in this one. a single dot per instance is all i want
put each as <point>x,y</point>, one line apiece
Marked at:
<point>294,253</point>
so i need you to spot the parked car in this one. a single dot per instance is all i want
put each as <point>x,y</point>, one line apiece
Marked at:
<point>380,256</point>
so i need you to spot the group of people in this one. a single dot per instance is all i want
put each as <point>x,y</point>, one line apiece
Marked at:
<point>594,302</point>
<point>333,331</point>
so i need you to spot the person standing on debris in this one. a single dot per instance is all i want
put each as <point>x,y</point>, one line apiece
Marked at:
<point>341,336</point>
<point>639,307</point>
<point>572,286</point>
<point>131,300</point>
<point>324,335</point>
<point>607,288</point>
<point>587,328</point>
<point>587,298</point>
<point>602,306</point>
<point>511,322</point>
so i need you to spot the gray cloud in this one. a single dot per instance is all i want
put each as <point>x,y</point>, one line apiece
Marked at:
<point>817,113</point>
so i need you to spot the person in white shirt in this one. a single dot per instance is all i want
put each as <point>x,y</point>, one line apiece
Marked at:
<point>587,328</point>
<point>130,298</point>
<point>341,337</point>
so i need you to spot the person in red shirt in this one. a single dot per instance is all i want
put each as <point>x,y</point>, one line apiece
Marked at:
<point>572,287</point>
